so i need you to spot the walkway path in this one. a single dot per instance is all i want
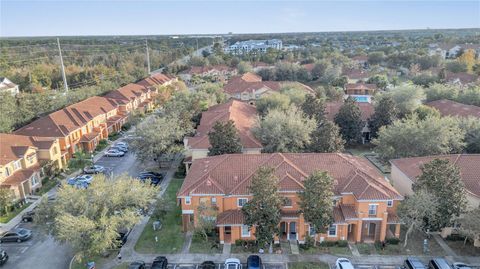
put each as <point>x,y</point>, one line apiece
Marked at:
<point>187,243</point>
<point>294,247</point>
<point>444,245</point>
<point>353,248</point>
<point>227,248</point>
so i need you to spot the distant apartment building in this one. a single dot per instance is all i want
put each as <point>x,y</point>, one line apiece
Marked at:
<point>214,73</point>
<point>7,86</point>
<point>261,46</point>
<point>22,159</point>
<point>242,114</point>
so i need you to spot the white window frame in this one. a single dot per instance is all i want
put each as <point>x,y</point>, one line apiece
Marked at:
<point>328,232</point>
<point>369,210</point>
<point>242,230</point>
<point>34,181</point>
<point>291,203</point>
<point>188,200</point>
<point>389,203</point>
<point>238,201</point>
<point>17,165</point>
<point>213,201</point>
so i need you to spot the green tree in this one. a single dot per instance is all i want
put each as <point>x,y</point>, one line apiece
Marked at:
<point>319,69</point>
<point>424,112</point>
<point>376,57</point>
<point>470,224</point>
<point>316,200</point>
<point>380,80</point>
<point>89,219</point>
<point>157,136</point>
<point>412,137</point>
<point>314,107</point>
<point>456,67</point>
<point>80,160</point>
<point>442,179</point>
<point>471,127</point>
<point>207,215</point>
<point>244,67</point>
<point>385,114</point>
<point>407,98</point>
<point>415,209</point>
<point>439,91</point>
<point>224,139</point>
<point>326,138</point>
<point>284,131</point>
<point>272,101</point>
<point>6,199</point>
<point>263,210</point>
<point>349,119</point>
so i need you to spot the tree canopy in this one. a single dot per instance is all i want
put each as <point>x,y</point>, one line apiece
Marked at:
<point>326,138</point>
<point>385,114</point>
<point>224,139</point>
<point>349,119</point>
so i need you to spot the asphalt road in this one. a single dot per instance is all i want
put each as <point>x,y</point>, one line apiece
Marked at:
<point>41,251</point>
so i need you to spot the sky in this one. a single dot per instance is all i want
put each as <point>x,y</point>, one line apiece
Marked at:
<point>78,17</point>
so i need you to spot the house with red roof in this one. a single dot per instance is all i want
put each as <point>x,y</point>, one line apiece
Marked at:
<point>220,73</point>
<point>455,109</point>
<point>244,117</point>
<point>364,204</point>
<point>366,109</point>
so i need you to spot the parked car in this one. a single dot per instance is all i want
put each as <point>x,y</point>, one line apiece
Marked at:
<point>16,235</point>
<point>343,263</point>
<point>460,265</point>
<point>137,265</point>
<point>94,169</point>
<point>123,236</point>
<point>3,257</point>
<point>154,180</point>
<point>85,178</point>
<point>413,263</point>
<point>160,175</point>
<point>233,263</point>
<point>122,143</point>
<point>119,148</point>
<point>438,263</point>
<point>81,181</point>
<point>254,262</point>
<point>159,262</point>
<point>207,265</point>
<point>28,217</point>
<point>114,153</point>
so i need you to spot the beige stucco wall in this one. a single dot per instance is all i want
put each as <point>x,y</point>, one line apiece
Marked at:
<point>400,181</point>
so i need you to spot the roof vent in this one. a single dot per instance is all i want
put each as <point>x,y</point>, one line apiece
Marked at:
<point>209,183</point>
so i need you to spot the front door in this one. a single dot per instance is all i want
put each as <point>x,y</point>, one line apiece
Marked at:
<point>228,234</point>
<point>293,231</point>
<point>371,229</point>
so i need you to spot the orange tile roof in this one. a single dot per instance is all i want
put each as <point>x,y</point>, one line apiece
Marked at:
<point>452,108</point>
<point>13,147</point>
<point>20,176</point>
<point>356,74</point>
<point>231,217</point>
<point>155,80</point>
<point>360,86</point>
<point>468,164</point>
<point>60,123</point>
<point>128,92</point>
<point>231,174</point>
<point>242,114</point>
<point>309,67</point>
<point>205,69</point>
<point>249,82</point>
<point>332,109</point>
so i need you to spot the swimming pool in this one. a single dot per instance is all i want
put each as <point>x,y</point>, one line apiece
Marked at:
<point>362,99</point>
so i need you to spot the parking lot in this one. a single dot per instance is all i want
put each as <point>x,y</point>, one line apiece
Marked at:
<point>219,266</point>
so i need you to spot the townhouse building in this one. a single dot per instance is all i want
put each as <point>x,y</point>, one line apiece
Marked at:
<point>242,114</point>
<point>364,204</point>
<point>22,159</point>
<point>455,109</point>
<point>214,73</point>
<point>250,87</point>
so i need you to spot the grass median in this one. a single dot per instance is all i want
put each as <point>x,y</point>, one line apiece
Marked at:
<point>170,237</point>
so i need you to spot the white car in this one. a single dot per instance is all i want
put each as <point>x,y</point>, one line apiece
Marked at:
<point>460,265</point>
<point>122,144</point>
<point>85,178</point>
<point>233,263</point>
<point>343,263</point>
<point>114,153</point>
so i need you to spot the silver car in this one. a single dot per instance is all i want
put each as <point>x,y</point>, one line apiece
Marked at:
<point>94,169</point>
<point>114,153</point>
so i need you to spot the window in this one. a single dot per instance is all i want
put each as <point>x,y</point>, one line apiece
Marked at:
<point>31,158</point>
<point>17,165</point>
<point>311,230</point>
<point>287,202</point>
<point>245,231</point>
<point>390,203</point>
<point>372,209</point>
<point>214,200</point>
<point>7,171</point>
<point>188,200</point>
<point>241,202</point>
<point>34,180</point>
<point>332,230</point>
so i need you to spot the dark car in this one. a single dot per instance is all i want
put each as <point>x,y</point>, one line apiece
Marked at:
<point>120,148</point>
<point>160,175</point>
<point>438,263</point>
<point>122,237</point>
<point>154,180</point>
<point>137,265</point>
<point>207,265</point>
<point>17,235</point>
<point>159,262</point>
<point>254,262</point>
<point>28,217</point>
<point>3,257</point>
<point>413,263</point>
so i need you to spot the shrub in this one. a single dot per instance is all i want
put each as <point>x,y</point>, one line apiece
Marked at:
<point>342,243</point>
<point>181,171</point>
<point>239,242</point>
<point>392,240</point>
<point>328,243</point>
<point>126,126</point>
<point>455,237</point>
<point>309,243</point>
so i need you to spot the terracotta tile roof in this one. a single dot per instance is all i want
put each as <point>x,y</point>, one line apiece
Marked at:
<point>249,82</point>
<point>231,174</point>
<point>155,80</point>
<point>309,67</point>
<point>13,147</point>
<point>452,108</point>
<point>250,77</point>
<point>20,176</point>
<point>356,74</point>
<point>242,114</point>
<point>338,217</point>
<point>198,70</point>
<point>348,211</point>
<point>467,163</point>
<point>60,123</point>
<point>231,217</point>
<point>89,137</point>
<point>462,77</point>
<point>360,86</point>
<point>392,218</point>
<point>332,109</point>
<point>128,92</point>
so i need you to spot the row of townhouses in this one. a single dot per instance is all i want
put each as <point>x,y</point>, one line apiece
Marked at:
<point>364,204</point>
<point>50,141</point>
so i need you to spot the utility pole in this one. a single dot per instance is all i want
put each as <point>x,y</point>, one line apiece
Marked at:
<point>197,43</point>
<point>148,56</point>
<point>63,67</point>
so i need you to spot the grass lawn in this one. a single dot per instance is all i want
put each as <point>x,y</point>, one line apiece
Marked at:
<point>414,246</point>
<point>170,236</point>
<point>463,250</point>
<point>10,215</point>
<point>199,245</point>
<point>307,265</point>
<point>121,266</point>
<point>47,184</point>
<point>360,150</point>
<point>99,261</point>
<point>340,251</point>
